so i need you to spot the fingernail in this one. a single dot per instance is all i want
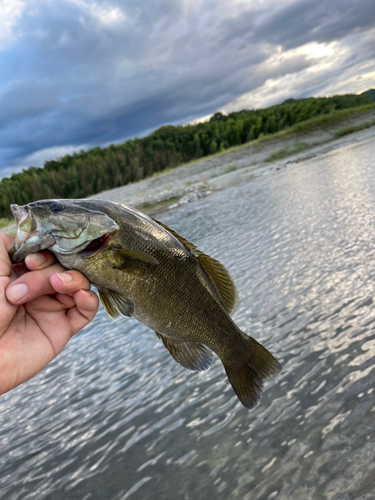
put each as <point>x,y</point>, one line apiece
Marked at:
<point>86,292</point>
<point>38,259</point>
<point>17,292</point>
<point>65,277</point>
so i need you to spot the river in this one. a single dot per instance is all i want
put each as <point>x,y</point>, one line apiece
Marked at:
<point>114,417</point>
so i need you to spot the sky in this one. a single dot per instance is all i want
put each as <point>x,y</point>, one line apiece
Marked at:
<point>78,73</point>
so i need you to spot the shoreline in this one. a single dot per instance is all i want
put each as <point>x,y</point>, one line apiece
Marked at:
<point>203,177</point>
<point>197,179</point>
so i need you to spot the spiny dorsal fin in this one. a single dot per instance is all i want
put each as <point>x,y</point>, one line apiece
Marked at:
<point>194,356</point>
<point>115,304</point>
<point>219,278</point>
<point>125,259</point>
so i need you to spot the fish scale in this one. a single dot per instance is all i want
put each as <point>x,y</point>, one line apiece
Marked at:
<point>144,269</point>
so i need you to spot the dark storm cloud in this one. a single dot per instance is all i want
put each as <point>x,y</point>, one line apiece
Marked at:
<point>84,73</point>
<point>321,21</point>
<point>16,104</point>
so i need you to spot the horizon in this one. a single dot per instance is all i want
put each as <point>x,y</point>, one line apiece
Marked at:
<point>77,74</point>
<point>192,123</point>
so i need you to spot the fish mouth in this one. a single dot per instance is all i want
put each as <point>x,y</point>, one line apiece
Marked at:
<point>95,246</point>
<point>26,226</point>
<point>24,218</point>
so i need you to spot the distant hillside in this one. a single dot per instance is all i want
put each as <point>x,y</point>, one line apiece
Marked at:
<point>369,93</point>
<point>98,169</point>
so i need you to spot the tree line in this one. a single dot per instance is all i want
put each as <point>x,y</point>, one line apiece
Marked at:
<point>88,172</point>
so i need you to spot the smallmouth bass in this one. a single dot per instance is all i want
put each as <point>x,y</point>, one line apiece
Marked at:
<point>144,269</point>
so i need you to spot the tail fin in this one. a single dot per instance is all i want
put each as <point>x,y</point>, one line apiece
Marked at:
<point>247,377</point>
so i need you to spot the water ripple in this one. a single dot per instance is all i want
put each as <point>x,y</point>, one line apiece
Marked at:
<point>115,417</point>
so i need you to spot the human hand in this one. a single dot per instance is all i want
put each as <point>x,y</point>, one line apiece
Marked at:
<point>40,311</point>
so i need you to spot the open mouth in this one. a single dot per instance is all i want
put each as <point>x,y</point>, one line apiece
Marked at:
<point>24,218</point>
<point>95,245</point>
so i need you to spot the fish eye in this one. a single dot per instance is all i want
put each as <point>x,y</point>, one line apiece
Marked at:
<point>56,207</point>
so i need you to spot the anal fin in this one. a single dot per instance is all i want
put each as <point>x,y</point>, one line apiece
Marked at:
<point>191,355</point>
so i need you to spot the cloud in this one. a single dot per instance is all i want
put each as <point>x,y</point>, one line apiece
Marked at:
<point>76,72</point>
<point>39,157</point>
<point>23,99</point>
<point>10,13</point>
<point>333,68</point>
<point>319,21</point>
<point>105,15</point>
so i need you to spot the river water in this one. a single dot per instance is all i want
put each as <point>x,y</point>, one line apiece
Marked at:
<point>114,417</point>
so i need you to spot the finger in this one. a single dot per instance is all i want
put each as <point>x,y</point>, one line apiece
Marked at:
<point>50,316</point>
<point>7,240</point>
<point>69,282</point>
<point>39,260</point>
<point>66,300</point>
<point>87,304</point>
<point>6,243</point>
<point>47,281</point>
<point>32,285</point>
<point>7,310</point>
<point>19,269</point>
<point>13,276</point>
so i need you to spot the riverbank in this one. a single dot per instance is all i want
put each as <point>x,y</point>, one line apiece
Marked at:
<point>201,178</point>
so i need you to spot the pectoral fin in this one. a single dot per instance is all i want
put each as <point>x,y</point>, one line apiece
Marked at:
<point>191,355</point>
<point>125,259</point>
<point>115,304</point>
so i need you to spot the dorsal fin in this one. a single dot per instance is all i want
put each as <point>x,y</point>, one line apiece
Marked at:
<point>219,278</point>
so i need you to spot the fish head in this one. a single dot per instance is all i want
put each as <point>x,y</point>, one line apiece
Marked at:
<point>65,227</point>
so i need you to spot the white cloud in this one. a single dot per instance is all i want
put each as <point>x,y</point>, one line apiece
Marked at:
<point>105,14</point>
<point>105,70</point>
<point>323,59</point>
<point>38,158</point>
<point>10,13</point>
<point>202,119</point>
<point>367,80</point>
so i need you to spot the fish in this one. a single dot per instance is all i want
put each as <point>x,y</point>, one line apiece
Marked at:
<point>144,269</point>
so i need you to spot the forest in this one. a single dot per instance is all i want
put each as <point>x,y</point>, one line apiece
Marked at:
<point>88,172</point>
